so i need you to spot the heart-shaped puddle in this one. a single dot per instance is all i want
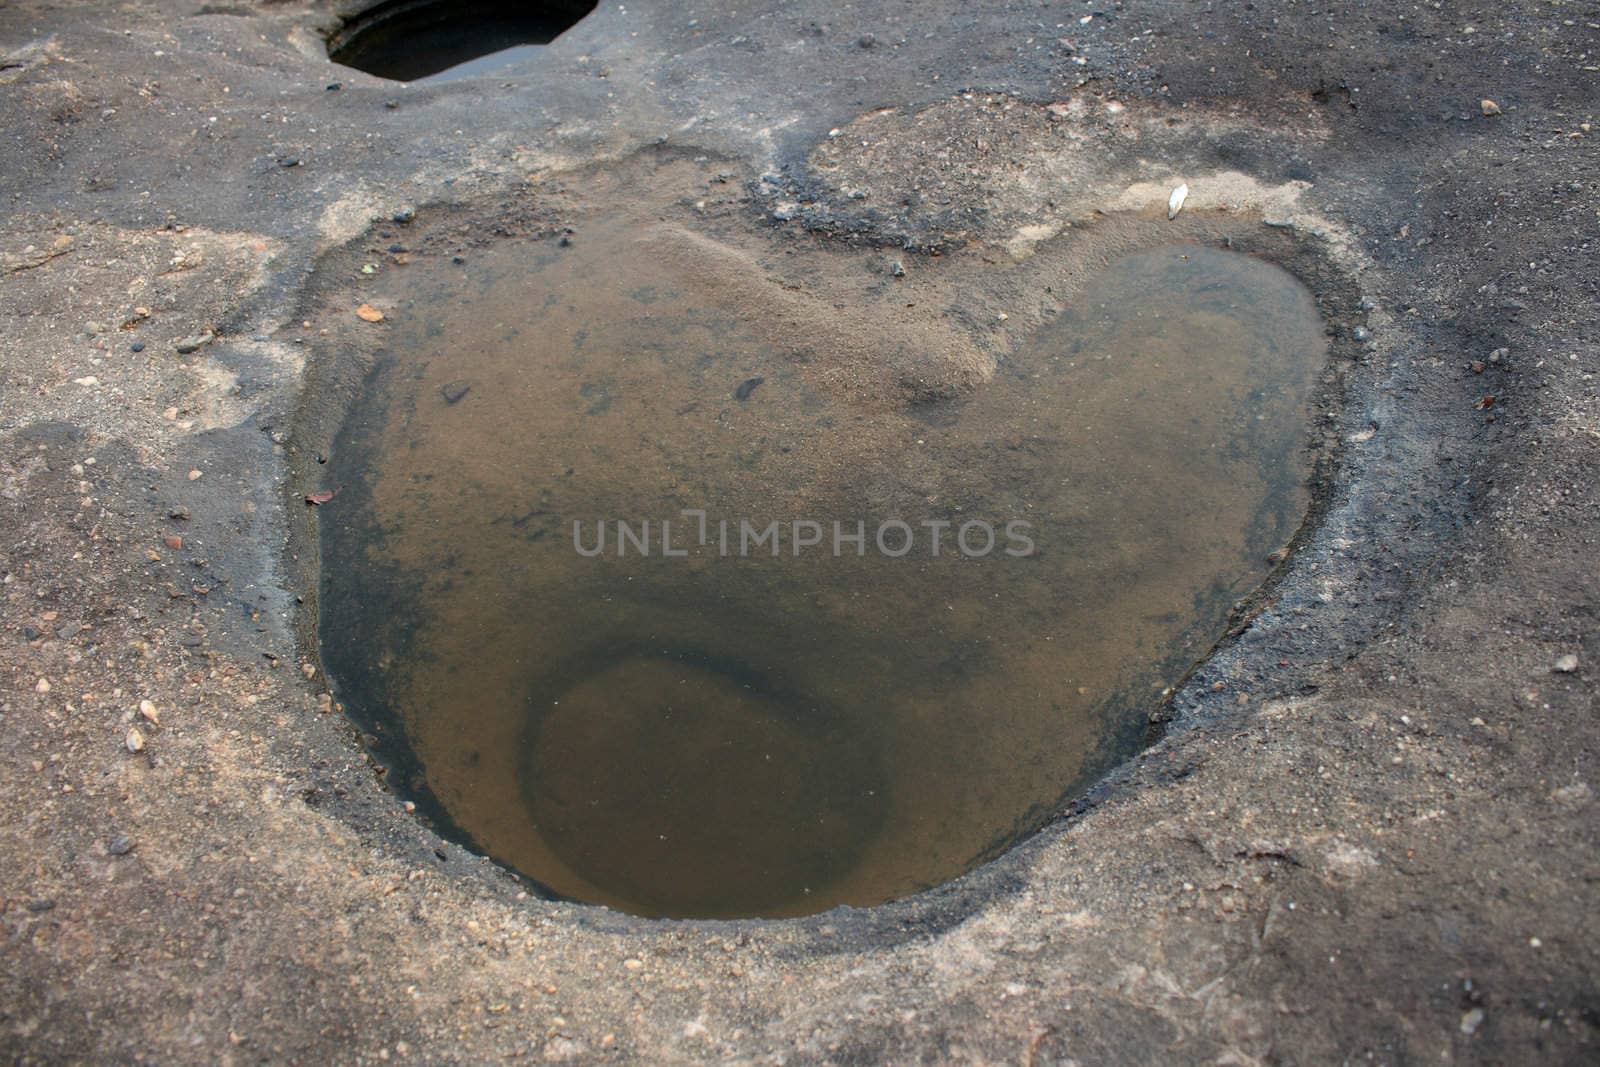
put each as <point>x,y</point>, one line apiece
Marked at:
<point>881,602</point>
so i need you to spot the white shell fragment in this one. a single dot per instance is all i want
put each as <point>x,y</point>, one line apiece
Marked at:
<point>1175,201</point>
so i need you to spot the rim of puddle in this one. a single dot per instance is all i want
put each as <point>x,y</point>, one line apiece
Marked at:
<point>333,385</point>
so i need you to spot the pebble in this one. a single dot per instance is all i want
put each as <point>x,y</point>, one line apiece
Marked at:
<point>897,269</point>
<point>1361,333</point>
<point>137,346</point>
<point>89,380</point>
<point>37,906</point>
<point>454,391</point>
<point>1471,1020</point>
<point>120,845</point>
<point>1488,107</point>
<point>194,476</point>
<point>193,344</point>
<point>288,161</point>
<point>42,686</point>
<point>135,740</point>
<point>747,387</point>
<point>148,710</point>
<point>1567,664</point>
<point>405,214</point>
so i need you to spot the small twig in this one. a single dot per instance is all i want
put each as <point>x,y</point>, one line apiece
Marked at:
<point>19,268</point>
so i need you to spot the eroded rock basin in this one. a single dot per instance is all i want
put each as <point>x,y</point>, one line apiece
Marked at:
<point>1058,506</point>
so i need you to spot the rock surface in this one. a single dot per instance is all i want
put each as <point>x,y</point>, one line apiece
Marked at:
<point>1370,830</point>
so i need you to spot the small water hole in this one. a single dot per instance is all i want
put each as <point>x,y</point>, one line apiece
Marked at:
<point>444,40</point>
<point>587,569</point>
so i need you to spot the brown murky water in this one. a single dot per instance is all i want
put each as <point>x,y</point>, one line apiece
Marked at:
<point>728,732</point>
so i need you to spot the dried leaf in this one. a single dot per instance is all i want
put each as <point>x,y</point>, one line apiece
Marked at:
<point>1175,201</point>
<point>368,313</point>
<point>316,499</point>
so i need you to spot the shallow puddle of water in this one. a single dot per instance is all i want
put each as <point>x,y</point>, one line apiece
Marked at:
<point>729,732</point>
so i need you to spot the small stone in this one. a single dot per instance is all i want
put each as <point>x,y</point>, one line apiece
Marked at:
<point>867,40</point>
<point>137,346</point>
<point>334,87</point>
<point>1478,366</point>
<point>785,212</point>
<point>368,313</point>
<point>1361,333</point>
<point>193,344</point>
<point>1574,794</point>
<point>88,380</point>
<point>1498,354</point>
<point>897,269</point>
<point>633,964</point>
<point>1488,107</point>
<point>148,710</point>
<point>42,686</point>
<point>135,740</point>
<point>120,845</point>
<point>1567,664</point>
<point>92,328</point>
<point>194,476</point>
<point>405,214</point>
<point>1471,1020</point>
<point>454,391</point>
<point>288,161</point>
<point>37,906</point>
<point>172,541</point>
<point>181,514</point>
